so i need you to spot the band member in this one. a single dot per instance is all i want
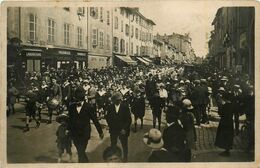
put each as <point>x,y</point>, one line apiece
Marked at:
<point>138,108</point>
<point>119,122</point>
<point>80,114</point>
<point>42,97</point>
<point>55,93</point>
<point>31,98</point>
<point>156,109</point>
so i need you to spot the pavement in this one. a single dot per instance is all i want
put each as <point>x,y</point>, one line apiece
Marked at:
<point>39,146</point>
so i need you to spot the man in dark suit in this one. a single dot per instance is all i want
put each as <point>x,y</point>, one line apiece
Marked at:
<point>119,122</point>
<point>80,114</point>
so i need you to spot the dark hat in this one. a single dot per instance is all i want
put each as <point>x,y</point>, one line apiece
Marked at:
<point>80,94</point>
<point>117,96</point>
<point>62,117</point>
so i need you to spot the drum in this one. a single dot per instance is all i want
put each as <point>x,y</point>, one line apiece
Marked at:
<point>53,103</point>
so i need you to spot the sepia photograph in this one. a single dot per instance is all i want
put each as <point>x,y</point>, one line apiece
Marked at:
<point>161,81</point>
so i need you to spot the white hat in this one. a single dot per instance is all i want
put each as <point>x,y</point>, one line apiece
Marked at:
<point>187,81</point>
<point>153,139</point>
<point>181,81</point>
<point>187,104</point>
<point>221,89</point>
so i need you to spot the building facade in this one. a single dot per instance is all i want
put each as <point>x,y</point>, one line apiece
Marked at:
<point>231,44</point>
<point>54,37</point>
<point>92,37</point>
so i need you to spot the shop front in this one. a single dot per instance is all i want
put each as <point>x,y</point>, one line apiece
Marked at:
<point>80,60</point>
<point>31,59</point>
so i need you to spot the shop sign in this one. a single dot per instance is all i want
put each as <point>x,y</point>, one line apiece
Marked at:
<point>81,54</point>
<point>33,54</point>
<point>62,52</point>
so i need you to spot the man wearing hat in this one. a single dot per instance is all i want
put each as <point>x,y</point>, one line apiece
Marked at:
<point>174,134</point>
<point>153,139</point>
<point>80,114</point>
<point>55,93</point>
<point>119,122</point>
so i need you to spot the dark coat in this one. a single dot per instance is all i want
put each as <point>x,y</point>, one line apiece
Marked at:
<point>199,96</point>
<point>150,88</point>
<point>138,106</point>
<point>79,123</point>
<point>187,120</point>
<point>118,121</point>
<point>174,137</point>
<point>225,131</point>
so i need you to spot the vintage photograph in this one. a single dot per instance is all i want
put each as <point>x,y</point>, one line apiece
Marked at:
<point>155,82</point>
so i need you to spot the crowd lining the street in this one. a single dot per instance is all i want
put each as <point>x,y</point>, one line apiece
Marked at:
<point>116,94</point>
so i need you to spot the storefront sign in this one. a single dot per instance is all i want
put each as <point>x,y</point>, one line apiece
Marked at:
<point>81,54</point>
<point>33,54</point>
<point>62,52</point>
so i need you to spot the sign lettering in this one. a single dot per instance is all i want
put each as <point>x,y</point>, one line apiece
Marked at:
<point>33,54</point>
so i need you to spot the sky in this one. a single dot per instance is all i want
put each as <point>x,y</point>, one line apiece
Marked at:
<point>193,17</point>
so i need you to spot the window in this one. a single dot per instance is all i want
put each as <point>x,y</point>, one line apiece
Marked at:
<point>116,22</point>
<point>136,33</point>
<point>137,50</point>
<point>108,18</point>
<point>94,12</point>
<point>101,14</point>
<point>79,30</point>
<point>122,12</point>
<point>126,48</point>
<point>132,31</point>
<point>81,11</point>
<point>101,39</point>
<point>32,26</point>
<point>115,44</point>
<point>136,19</point>
<point>140,35</point>
<point>122,26</point>
<point>94,37</point>
<point>51,28</point>
<point>66,9</point>
<point>66,34</point>
<point>108,42</point>
<point>132,49</point>
<point>122,45</point>
<point>127,30</point>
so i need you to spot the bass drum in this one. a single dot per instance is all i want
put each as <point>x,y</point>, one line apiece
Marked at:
<point>53,103</point>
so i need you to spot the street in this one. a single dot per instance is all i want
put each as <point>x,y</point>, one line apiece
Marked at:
<point>39,146</point>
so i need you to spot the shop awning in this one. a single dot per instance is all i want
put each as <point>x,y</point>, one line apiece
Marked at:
<point>147,59</point>
<point>126,59</point>
<point>143,61</point>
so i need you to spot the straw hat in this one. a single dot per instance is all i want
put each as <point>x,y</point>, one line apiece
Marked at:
<point>187,104</point>
<point>153,139</point>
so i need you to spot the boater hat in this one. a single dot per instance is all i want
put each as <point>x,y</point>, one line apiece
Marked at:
<point>187,104</point>
<point>62,117</point>
<point>153,139</point>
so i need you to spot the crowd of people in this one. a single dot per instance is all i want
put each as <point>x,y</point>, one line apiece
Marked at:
<point>116,94</point>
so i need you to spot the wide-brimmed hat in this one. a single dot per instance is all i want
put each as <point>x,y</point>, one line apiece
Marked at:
<point>117,96</point>
<point>221,89</point>
<point>187,104</point>
<point>153,139</point>
<point>203,81</point>
<point>187,81</point>
<point>224,78</point>
<point>80,94</point>
<point>62,117</point>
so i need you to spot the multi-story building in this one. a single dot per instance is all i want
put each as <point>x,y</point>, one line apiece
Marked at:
<point>48,37</point>
<point>77,37</point>
<point>231,45</point>
<point>132,34</point>
<point>99,27</point>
